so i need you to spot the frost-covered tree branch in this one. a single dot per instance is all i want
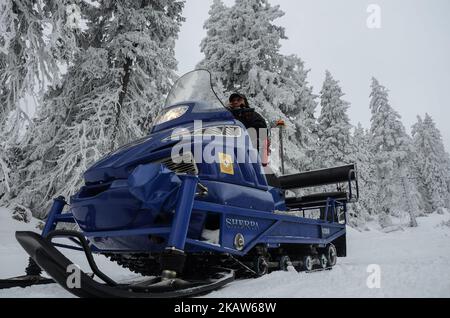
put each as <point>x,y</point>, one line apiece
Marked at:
<point>114,87</point>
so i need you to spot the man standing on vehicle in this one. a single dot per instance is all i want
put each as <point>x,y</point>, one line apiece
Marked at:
<point>253,121</point>
<point>241,110</point>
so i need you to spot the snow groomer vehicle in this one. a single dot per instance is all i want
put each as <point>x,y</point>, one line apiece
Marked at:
<point>190,224</point>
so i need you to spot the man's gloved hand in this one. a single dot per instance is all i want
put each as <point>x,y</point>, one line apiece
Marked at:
<point>245,113</point>
<point>249,117</point>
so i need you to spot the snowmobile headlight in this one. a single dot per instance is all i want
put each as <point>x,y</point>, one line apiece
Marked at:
<point>172,114</point>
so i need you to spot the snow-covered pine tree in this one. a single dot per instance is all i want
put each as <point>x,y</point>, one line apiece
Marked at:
<point>215,46</point>
<point>110,95</point>
<point>239,38</point>
<point>365,208</point>
<point>409,185</point>
<point>417,167</point>
<point>334,146</point>
<point>432,165</point>
<point>33,40</point>
<point>25,56</point>
<point>390,148</point>
<point>242,51</point>
<point>299,105</point>
<point>447,160</point>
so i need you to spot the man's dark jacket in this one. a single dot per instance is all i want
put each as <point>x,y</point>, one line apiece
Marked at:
<point>251,119</point>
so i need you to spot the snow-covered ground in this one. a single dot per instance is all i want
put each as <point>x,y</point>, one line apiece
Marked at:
<point>414,263</point>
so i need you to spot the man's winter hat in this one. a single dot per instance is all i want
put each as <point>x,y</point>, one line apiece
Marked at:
<point>237,95</point>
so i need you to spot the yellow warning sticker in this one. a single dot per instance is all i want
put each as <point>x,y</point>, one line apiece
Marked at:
<point>226,164</point>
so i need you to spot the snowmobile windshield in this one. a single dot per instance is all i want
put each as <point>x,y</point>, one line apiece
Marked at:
<point>195,86</point>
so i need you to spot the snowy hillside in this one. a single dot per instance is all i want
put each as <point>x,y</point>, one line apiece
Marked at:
<point>414,263</point>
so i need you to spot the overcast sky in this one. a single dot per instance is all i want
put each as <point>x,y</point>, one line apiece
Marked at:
<point>409,54</point>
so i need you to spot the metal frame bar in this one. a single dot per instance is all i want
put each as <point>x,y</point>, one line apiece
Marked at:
<point>183,212</point>
<point>86,249</point>
<point>55,216</point>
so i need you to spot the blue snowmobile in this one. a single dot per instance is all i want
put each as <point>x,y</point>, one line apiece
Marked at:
<point>190,224</point>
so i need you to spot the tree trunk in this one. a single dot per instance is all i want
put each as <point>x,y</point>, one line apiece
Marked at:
<point>412,216</point>
<point>122,95</point>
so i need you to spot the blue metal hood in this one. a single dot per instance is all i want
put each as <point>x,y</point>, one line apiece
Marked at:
<point>157,146</point>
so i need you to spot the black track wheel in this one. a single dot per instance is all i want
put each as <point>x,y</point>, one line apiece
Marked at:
<point>261,266</point>
<point>331,254</point>
<point>285,262</point>
<point>308,263</point>
<point>323,261</point>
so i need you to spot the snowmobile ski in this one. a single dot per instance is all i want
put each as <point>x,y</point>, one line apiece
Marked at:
<point>24,281</point>
<point>32,277</point>
<point>44,253</point>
